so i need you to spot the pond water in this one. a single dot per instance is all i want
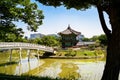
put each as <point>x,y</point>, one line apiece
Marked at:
<point>80,69</point>
<point>64,68</point>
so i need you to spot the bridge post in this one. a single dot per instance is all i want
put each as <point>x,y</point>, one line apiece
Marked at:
<point>10,55</point>
<point>20,54</point>
<point>38,54</point>
<point>28,54</point>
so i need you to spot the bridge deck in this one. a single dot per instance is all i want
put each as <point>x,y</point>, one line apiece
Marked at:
<point>18,45</point>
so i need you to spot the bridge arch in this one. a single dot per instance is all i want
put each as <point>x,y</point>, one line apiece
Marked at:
<point>21,45</point>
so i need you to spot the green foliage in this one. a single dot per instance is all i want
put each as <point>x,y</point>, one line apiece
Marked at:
<point>85,53</point>
<point>85,39</point>
<point>70,52</point>
<point>99,52</point>
<point>10,33</point>
<point>37,41</point>
<point>80,52</point>
<point>100,39</point>
<point>103,39</point>
<point>80,4</point>
<point>24,10</point>
<point>77,4</point>
<point>94,38</point>
<point>50,41</point>
<point>47,41</point>
<point>12,11</point>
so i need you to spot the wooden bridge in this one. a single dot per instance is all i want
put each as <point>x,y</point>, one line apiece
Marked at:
<point>27,46</point>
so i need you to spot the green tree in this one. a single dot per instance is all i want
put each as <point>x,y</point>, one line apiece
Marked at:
<point>94,38</point>
<point>85,39</point>
<point>50,41</point>
<point>12,11</point>
<point>111,7</point>
<point>10,34</point>
<point>37,41</point>
<point>103,39</point>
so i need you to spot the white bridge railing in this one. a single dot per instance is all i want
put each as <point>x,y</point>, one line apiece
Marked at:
<point>17,45</point>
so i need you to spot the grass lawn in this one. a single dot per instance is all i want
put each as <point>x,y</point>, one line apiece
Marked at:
<point>80,52</point>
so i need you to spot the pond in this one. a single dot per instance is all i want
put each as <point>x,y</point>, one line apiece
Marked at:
<point>80,69</point>
<point>64,68</point>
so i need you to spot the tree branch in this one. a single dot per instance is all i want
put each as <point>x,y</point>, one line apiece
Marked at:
<point>103,24</point>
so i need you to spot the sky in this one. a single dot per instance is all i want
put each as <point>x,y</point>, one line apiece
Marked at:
<point>57,19</point>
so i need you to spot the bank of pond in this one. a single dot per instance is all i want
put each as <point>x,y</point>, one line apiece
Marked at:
<point>49,69</point>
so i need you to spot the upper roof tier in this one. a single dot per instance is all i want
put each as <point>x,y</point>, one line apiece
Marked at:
<point>69,31</point>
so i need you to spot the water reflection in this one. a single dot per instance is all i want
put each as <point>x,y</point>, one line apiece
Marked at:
<point>52,71</point>
<point>86,69</point>
<point>25,65</point>
<point>63,68</point>
<point>91,70</point>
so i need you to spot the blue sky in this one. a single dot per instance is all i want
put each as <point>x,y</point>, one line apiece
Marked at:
<point>57,19</point>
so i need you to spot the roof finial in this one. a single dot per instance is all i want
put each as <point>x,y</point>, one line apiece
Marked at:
<point>68,26</point>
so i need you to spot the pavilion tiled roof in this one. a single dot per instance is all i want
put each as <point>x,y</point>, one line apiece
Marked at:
<point>69,31</point>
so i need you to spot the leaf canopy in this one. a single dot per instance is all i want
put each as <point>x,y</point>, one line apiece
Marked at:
<point>77,4</point>
<point>24,10</point>
<point>82,4</point>
<point>12,11</point>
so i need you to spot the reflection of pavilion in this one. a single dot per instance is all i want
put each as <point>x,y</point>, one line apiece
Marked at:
<point>69,37</point>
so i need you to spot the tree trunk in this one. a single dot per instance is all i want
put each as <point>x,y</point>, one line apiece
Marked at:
<point>112,67</point>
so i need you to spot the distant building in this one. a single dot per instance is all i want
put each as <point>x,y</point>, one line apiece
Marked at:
<point>80,37</point>
<point>36,35</point>
<point>69,37</point>
<point>79,44</point>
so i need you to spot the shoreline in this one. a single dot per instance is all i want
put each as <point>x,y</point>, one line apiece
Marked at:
<point>70,57</point>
